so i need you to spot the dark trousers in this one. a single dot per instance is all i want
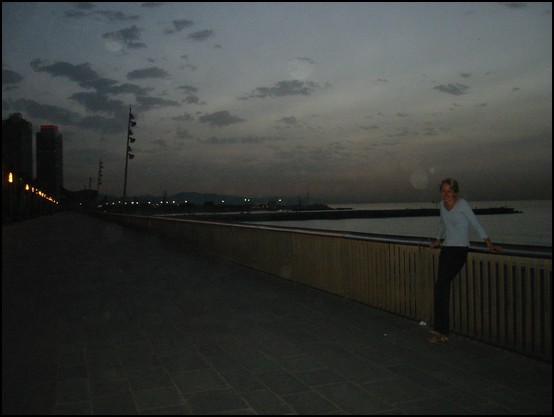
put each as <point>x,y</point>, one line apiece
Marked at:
<point>451,261</point>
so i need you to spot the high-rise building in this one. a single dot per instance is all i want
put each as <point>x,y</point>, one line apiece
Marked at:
<point>17,146</point>
<point>50,160</point>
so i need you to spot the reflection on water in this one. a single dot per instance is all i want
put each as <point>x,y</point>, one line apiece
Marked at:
<point>531,227</point>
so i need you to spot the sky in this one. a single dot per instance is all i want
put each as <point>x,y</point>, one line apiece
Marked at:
<point>337,102</point>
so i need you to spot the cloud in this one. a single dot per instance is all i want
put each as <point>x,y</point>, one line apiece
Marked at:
<point>103,125</point>
<point>430,131</point>
<point>112,16</point>
<point>284,88</point>
<point>108,15</point>
<point>128,37</point>
<point>148,103</point>
<point>181,24</point>
<point>514,5</point>
<point>38,110</point>
<point>248,140</point>
<point>59,115</point>
<point>184,118</point>
<point>152,72</point>
<point>126,89</point>
<point>304,59</point>
<point>183,133</point>
<point>162,143</point>
<point>201,35</point>
<point>291,120</point>
<point>99,84</point>
<point>192,99</point>
<point>84,5</point>
<point>98,102</point>
<point>220,118</point>
<point>455,89</point>
<point>189,89</point>
<point>10,77</point>
<point>370,127</point>
<point>86,77</point>
<point>81,74</point>
<point>75,14</point>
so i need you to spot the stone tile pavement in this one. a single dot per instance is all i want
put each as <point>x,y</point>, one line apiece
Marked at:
<point>97,319</point>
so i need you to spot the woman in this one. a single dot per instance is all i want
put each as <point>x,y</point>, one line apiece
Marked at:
<point>455,218</point>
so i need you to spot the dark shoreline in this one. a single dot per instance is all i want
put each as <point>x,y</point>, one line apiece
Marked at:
<point>331,214</point>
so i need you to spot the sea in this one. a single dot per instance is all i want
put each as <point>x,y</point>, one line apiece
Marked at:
<point>532,226</point>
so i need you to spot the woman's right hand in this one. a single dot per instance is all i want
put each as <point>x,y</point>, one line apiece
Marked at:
<point>435,244</point>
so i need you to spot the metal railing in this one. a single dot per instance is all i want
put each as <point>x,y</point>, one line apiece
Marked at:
<point>502,299</point>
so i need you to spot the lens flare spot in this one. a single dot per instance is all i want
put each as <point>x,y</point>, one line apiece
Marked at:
<point>419,179</point>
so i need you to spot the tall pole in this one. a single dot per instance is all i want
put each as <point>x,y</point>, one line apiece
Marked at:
<point>128,154</point>
<point>99,178</point>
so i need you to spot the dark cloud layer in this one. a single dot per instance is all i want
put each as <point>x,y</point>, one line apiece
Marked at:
<point>58,115</point>
<point>456,89</point>
<point>220,118</point>
<point>247,140</point>
<point>147,103</point>
<point>129,37</point>
<point>99,102</point>
<point>10,77</point>
<point>45,111</point>
<point>285,88</point>
<point>109,15</point>
<point>201,35</point>
<point>81,73</point>
<point>181,24</point>
<point>152,72</point>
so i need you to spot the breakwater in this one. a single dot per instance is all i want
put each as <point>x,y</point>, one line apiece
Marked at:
<point>330,214</point>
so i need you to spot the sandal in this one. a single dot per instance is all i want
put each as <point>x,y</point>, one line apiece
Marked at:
<point>435,337</point>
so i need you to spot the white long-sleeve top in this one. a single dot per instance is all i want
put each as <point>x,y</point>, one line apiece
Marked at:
<point>454,224</point>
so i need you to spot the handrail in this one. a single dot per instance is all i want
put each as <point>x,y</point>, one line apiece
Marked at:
<point>542,252</point>
<point>502,298</point>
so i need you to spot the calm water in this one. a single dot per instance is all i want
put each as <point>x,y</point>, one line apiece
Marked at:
<point>531,227</point>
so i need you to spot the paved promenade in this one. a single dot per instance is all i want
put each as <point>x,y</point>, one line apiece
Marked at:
<point>98,319</point>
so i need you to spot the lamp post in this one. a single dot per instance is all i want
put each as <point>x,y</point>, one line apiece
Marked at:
<point>128,154</point>
<point>99,180</point>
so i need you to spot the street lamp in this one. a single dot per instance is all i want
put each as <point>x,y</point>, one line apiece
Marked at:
<point>99,180</point>
<point>128,154</point>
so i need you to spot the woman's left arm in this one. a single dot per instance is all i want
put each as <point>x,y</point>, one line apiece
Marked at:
<point>482,233</point>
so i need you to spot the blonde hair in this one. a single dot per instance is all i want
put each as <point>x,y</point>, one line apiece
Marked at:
<point>452,183</point>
